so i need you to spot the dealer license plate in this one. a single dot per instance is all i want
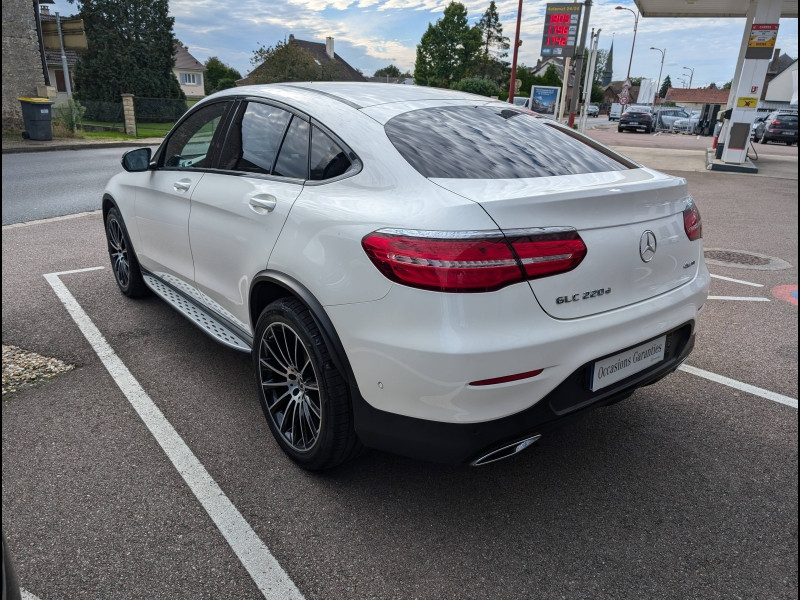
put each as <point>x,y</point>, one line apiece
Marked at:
<point>616,368</point>
<point>633,123</point>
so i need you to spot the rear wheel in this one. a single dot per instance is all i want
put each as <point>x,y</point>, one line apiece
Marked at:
<point>305,399</point>
<point>123,259</point>
<point>763,139</point>
<point>619,130</point>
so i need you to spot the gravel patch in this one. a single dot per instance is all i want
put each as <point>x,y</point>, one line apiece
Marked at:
<point>22,369</point>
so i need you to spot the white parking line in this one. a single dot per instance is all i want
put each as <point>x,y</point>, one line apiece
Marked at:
<point>269,577</point>
<point>745,387</point>
<point>740,298</point>
<point>737,281</point>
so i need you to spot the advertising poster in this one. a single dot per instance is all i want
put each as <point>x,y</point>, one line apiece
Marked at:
<point>544,100</point>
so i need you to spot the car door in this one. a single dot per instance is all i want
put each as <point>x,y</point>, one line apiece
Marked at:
<point>238,210</point>
<point>162,205</point>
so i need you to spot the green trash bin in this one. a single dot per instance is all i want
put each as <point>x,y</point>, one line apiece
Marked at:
<point>38,116</point>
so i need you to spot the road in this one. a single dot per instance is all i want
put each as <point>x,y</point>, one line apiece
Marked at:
<point>41,185</point>
<point>687,490</point>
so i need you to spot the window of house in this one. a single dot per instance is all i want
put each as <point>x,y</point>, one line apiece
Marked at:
<point>61,84</point>
<point>189,79</point>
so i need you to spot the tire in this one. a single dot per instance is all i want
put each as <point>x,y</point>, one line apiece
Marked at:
<point>305,399</point>
<point>620,130</point>
<point>763,139</point>
<point>124,264</point>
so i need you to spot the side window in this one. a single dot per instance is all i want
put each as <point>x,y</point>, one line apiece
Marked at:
<point>188,146</point>
<point>328,160</point>
<point>293,157</point>
<point>254,139</point>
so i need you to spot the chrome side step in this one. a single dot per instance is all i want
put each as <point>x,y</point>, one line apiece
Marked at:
<point>504,451</point>
<point>195,314</point>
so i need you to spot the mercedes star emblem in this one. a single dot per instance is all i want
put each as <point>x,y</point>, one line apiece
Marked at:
<point>647,246</point>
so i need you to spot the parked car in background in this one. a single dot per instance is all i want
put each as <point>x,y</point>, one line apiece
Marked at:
<point>665,117</point>
<point>415,270</point>
<point>615,112</point>
<point>777,126</point>
<point>593,110</point>
<point>636,118</point>
<point>521,101</point>
<point>687,124</point>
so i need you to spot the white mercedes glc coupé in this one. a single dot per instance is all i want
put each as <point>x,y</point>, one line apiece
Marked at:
<point>413,269</point>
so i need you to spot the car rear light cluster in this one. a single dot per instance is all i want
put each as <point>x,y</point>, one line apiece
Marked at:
<point>692,222</point>
<point>472,261</point>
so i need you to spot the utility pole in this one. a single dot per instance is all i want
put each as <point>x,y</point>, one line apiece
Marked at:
<point>517,44</point>
<point>589,81</point>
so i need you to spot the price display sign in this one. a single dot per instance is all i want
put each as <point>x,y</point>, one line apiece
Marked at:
<point>561,24</point>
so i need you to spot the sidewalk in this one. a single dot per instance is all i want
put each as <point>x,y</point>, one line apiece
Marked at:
<point>14,146</point>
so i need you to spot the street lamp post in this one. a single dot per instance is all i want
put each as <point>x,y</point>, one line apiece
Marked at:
<point>691,75</point>
<point>635,26</point>
<point>658,85</point>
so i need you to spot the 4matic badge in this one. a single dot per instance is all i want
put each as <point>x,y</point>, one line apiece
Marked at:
<point>583,296</point>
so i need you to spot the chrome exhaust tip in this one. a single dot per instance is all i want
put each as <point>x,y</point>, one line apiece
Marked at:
<point>504,451</point>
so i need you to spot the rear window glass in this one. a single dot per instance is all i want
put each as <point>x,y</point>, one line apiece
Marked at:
<point>789,118</point>
<point>490,142</point>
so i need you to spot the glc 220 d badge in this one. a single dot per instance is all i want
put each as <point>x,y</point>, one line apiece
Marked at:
<point>583,296</point>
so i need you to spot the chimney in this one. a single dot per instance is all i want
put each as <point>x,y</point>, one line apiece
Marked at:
<point>44,10</point>
<point>329,46</point>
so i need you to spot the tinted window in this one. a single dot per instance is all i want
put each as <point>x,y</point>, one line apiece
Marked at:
<point>488,142</point>
<point>328,159</point>
<point>293,157</point>
<point>188,146</point>
<point>254,139</point>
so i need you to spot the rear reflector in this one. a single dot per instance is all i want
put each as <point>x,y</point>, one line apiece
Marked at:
<point>692,222</point>
<point>472,261</point>
<point>507,378</point>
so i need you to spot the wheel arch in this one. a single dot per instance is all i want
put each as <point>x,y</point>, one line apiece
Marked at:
<point>269,286</point>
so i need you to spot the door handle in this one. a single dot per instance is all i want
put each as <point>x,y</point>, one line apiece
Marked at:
<point>182,185</point>
<point>263,204</point>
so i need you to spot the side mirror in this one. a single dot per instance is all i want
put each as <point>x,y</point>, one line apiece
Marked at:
<point>137,160</point>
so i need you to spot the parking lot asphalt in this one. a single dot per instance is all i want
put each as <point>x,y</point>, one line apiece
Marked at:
<point>687,490</point>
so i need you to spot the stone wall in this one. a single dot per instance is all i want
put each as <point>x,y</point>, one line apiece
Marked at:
<point>22,62</point>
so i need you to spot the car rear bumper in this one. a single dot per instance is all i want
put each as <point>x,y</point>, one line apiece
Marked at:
<point>458,443</point>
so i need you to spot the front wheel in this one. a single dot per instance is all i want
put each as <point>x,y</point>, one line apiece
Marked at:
<point>305,399</point>
<point>619,129</point>
<point>124,264</point>
<point>763,139</point>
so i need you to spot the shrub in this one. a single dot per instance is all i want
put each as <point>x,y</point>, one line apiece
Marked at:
<point>476,85</point>
<point>69,116</point>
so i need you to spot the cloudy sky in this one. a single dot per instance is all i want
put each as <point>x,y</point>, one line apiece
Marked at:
<point>371,34</point>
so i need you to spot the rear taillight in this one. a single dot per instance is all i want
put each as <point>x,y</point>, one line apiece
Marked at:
<point>692,222</point>
<point>472,261</point>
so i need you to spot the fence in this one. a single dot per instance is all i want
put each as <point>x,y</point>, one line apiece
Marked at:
<point>102,116</point>
<point>156,116</point>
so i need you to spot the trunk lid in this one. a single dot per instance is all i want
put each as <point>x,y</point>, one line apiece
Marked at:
<point>613,213</point>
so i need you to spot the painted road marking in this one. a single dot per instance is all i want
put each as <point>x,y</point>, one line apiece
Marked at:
<point>786,292</point>
<point>269,577</point>
<point>745,387</point>
<point>737,281</point>
<point>741,298</point>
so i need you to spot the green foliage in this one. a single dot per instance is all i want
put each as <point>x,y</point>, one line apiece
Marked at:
<point>70,115</point>
<point>477,85</point>
<point>599,68</point>
<point>598,94</point>
<point>728,85</point>
<point>390,71</point>
<point>449,50</point>
<point>158,110</point>
<point>636,81</point>
<point>131,48</point>
<point>494,44</point>
<point>286,61</point>
<point>664,87</point>
<point>527,79</point>
<point>219,76</point>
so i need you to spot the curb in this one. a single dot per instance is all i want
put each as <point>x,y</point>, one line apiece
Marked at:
<point>52,147</point>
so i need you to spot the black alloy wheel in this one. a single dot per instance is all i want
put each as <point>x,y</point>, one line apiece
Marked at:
<point>124,264</point>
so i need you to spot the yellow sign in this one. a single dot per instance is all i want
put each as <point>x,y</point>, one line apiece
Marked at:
<point>745,102</point>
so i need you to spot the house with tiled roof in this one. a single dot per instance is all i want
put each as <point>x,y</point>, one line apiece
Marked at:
<point>189,72</point>
<point>696,98</point>
<point>74,39</point>
<point>332,66</point>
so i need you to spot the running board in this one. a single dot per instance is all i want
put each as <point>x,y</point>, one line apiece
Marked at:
<point>195,314</point>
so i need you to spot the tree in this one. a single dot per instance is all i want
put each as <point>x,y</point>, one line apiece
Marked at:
<point>494,48</point>
<point>219,76</point>
<point>286,61</point>
<point>727,86</point>
<point>448,50</point>
<point>390,71</point>
<point>131,51</point>
<point>478,85</point>
<point>662,93</point>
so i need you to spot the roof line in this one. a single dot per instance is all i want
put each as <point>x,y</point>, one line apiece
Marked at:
<point>324,93</point>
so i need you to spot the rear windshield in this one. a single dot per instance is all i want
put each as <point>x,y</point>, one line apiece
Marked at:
<point>491,142</point>
<point>787,117</point>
